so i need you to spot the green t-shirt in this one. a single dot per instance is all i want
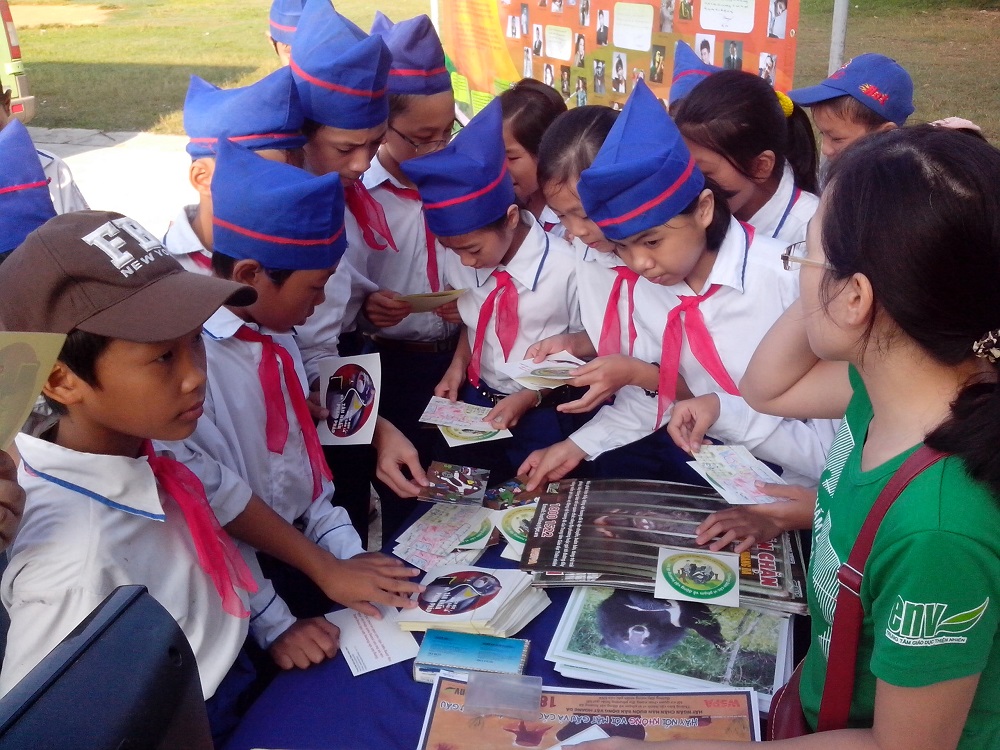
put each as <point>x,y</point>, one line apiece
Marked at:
<point>931,591</point>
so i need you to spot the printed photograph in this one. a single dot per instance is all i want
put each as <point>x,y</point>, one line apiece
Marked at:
<point>658,55</point>
<point>704,45</point>
<point>619,74</point>
<point>734,55</point>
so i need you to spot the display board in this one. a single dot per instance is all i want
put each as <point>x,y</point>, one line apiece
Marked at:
<point>593,51</point>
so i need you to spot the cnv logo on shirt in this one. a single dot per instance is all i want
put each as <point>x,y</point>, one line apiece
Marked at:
<point>925,623</point>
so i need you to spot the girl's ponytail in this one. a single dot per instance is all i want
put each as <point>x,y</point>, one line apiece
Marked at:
<point>802,153</point>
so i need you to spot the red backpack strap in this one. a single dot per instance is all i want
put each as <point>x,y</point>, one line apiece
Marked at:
<point>838,689</point>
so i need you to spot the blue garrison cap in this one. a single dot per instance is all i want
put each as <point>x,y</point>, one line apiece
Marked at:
<point>644,175</point>
<point>284,19</point>
<point>341,72</point>
<point>417,55</point>
<point>465,186</point>
<point>263,115</point>
<point>279,215</point>
<point>24,190</point>
<point>689,71</point>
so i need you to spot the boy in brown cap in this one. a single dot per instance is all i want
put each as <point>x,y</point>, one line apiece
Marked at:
<point>102,509</point>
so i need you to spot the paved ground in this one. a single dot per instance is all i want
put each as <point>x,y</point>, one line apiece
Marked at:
<point>138,174</point>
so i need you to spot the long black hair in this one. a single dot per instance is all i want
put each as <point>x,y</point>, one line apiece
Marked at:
<point>917,211</point>
<point>738,116</point>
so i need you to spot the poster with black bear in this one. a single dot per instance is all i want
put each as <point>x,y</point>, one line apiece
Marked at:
<point>608,532</point>
<point>629,639</point>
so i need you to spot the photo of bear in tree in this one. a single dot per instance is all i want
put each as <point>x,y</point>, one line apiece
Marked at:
<point>640,635</point>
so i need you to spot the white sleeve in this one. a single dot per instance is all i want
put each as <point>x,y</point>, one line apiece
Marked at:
<point>227,492</point>
<point>798,446</point>
<point>630,418</point>
<point>345,294</point>
<point>330,527</point>
<point>269,615</point>
<point>39,620</point>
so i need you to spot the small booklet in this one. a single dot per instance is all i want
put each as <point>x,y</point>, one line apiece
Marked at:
<point>734,472</point>
<point>450,483</point>
<point>26,360</point>
<point>349,389</point>
<point>461,423</point>
<point>369,644</point>
<point>444,650</point>
<point>553,372</point>
<point>432,300</point>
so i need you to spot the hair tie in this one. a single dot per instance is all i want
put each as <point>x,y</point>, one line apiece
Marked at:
<point>787,105</point>
<point>988,347</point>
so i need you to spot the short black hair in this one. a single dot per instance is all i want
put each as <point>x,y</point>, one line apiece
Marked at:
<point>79,353</point>
<point>848,108</point>
<point>717,229</point>
<point>223,265</point>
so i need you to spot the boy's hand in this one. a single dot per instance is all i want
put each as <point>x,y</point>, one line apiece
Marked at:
<point>450,383</point>
<point>551,463</point>
<point>11,500</point>
<point>305,643</point>
<point>384,309</point>
<point>394,453</point>
<point>691,419</point>
<point>604,377</point>
<point>509,410</point>
<point>449,313</point>
<point>317,411</point>
<point>752,524</point>
<point>577,344</point>
<point>371,577</point>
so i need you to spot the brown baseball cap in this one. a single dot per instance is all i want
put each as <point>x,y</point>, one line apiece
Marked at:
<point>101,272</point>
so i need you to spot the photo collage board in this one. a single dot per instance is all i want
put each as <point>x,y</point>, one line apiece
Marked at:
<point>594,51</point>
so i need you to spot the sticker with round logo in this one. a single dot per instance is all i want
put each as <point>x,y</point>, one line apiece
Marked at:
<point>698,576</point>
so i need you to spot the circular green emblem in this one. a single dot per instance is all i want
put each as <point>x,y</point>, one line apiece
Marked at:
<point>460,433</point>
<point>517,522</point>
<point>698,576</point>
<point>477,535</point>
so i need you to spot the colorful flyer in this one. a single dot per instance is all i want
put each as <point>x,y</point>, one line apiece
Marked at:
<point>734,472</point>
<point>706,577</point>
<point>515,525</point>
<point>26,360</point>
<point>449,483</point>
<point>455,436</point>
<point>349,389</point>
<point>441,411</point>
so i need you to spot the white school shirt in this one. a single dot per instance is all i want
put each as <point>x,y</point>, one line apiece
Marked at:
<point>404,271</point>
<point>66,196</point>
<point>548,218</point>
<point>632,415</point>
<point>786,215</point>
<point>181,241</point>
<point>543,273</point>
<point>232,432</point>
<point>92,523</point>
<point>346,291</point>
<point>755,291</point>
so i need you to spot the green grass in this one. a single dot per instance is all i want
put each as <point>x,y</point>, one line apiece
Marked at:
<point>131,72</point>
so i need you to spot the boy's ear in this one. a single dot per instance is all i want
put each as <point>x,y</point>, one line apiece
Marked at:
<point>704,212</point>
<point>200,176</point>
<point>762,166</point>
<point>247,272</point>
<point>513,216</point>
<point>63,385</point>
<point>885,127</point>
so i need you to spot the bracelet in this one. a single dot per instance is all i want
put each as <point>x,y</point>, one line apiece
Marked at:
<point>653,394</point>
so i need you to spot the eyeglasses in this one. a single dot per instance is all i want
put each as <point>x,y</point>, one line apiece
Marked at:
<point>796,253</point>
<point>426,147</point>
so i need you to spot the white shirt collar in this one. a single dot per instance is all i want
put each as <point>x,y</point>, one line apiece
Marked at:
<point>181,238</point>
<point>378,174</point>
<point>772,214</point>
<point>122,483</point>
<point>223,324</point>
<point>525,266</point>
<point>730,262</point>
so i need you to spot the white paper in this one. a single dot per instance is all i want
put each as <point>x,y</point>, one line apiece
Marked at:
<point>697,576</point>
<point>369,644</point>
<point>514,524</point>
<point>441,411</point>
<point>550,373</point>
<point>350,389</point>
<point>432,300</point>
<point>454,436</point>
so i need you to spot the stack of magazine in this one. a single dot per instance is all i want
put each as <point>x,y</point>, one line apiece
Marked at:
<point>467,599</point>
<point>629,639</point>
<point>608,533</point>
